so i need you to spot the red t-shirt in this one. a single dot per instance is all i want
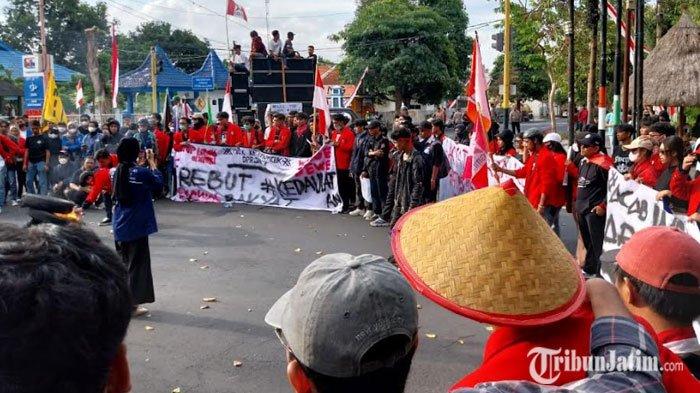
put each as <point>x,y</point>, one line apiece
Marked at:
<point>205,135</point>
<point>278,140</point>
<point>556,194</point>
<point>231,135</point>
<point>506,352</point>
<point>539,175</point>
<point>684,188</point>
<point>646,172</point>
<point>102,180</point>
<point>8,149</point>
<point>163,140</point>
<point>343,152</point>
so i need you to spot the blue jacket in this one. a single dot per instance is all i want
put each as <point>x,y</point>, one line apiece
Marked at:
<point>138,220</point>
<point>72,145</point>
<point>358,153</point>
<point>89,141</point>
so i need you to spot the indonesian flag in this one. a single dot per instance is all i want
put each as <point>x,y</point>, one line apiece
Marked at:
<point>476,168</point>
<point>612,11</point>
<point>226,106</point>
<point>79,98</point>
<point>321,105</point>
<point>234,9</point>
<point>115,67</point>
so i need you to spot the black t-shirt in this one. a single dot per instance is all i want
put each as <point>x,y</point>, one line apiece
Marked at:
<point>37,145</point>
<point>375,164</point>
<point>592,187</point>
<point>621,158</point>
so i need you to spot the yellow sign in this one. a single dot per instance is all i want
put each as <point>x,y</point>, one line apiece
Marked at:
<point>53,106</point>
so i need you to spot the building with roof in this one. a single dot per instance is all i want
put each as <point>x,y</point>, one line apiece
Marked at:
<point>11,60</point>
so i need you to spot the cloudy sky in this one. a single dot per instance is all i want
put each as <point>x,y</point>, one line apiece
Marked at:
<point>312,20</point>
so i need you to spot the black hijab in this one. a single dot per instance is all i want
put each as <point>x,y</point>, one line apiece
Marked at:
<point>127,152</point>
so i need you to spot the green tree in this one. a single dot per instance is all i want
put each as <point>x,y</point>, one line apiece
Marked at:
<point>407,50</point>
<point>184,48</point>
<point>453,11</point>
<point>65,22</point>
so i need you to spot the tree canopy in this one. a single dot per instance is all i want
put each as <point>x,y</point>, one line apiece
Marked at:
<point>407,50</point>
<point>66,21</point>
<point>184,48</point>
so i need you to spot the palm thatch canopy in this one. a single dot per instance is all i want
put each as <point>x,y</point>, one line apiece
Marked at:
<point>672,69</point>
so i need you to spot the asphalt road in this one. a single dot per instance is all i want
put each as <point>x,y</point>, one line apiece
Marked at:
<point>246,257</point>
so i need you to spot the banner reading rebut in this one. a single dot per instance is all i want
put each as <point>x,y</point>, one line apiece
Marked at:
<point>234,174</point>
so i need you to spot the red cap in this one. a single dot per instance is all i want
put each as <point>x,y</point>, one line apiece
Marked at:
<point>654,255</point>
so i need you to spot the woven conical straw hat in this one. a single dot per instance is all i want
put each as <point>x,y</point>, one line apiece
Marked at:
<point>489,256</point>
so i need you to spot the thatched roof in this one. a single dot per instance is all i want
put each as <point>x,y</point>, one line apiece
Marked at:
<point>672,69</point>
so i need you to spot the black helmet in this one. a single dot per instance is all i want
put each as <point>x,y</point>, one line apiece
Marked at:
<point>534,133</point>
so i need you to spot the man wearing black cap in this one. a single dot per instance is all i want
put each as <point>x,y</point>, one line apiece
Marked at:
<point>591,199</point>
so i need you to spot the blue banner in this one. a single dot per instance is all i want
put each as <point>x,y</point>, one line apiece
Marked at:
<point>34,92</point>
<point>202,83</point>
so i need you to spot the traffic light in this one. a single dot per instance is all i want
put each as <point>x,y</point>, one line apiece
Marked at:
<point>497,41</point>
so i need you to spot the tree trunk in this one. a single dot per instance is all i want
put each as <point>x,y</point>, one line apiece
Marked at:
<point>93,67</point>
<point>550,99</point>
<point>659,17</point>
<point>590,92</point>
<point>398,101</point>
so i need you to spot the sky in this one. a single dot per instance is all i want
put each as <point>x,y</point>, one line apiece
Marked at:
<point>313,21</point>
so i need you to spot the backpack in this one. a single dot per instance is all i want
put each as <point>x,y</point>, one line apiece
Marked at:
<point>445,168</point>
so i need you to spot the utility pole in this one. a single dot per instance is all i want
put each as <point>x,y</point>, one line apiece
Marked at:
<point>154,81</point>
<point>571,70</point>
<point>618,66</point>
<point>639,65</point>
<point>506,64</point>
<point>267,18</point>
<point>626,65</point>
<point>602,89</point>
<point>46,67</point>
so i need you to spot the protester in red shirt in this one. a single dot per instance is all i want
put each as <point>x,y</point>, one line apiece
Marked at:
<point>684,188</point>
<point>280,136</point>
<point>8,150</point>
<point>102,183</point>
<point>658,132</point>
<point>665,293</point>
<point>538,172</point>
<point>343,139</point>
<point>165,141</point>
<point>557,192</point>
<point>182,136</point>
<point>254,137</point>
<point>504,141</point>
<point>257,47</point>
<point>640,154</point>
<point>582,118</point>
<point>201,133</point>
<point>231,134</point>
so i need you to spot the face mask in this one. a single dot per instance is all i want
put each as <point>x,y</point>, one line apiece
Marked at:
<point>63,161</point>
<point>84,123</point>
<point>634,157</point>
<point>61,129</point>
<point>53,136</point>
<point>92,129</point>
<point>184,126</point>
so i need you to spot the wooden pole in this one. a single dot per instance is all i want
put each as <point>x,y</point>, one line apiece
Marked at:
<point>284,80</point>
<point>626,66</point>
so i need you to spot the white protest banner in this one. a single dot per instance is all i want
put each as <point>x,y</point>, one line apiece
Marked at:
<point>285,107</point>
<point>239,175</point>
<point>632,207</point>
<point>453,184</point>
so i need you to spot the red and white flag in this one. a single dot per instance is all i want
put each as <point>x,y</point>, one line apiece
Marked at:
<point>236,10</point>
<point>320,103</point>
<point>357,88</point>
<point>476,166</point>
<point>226,106</point>
<point>115,67</point>
<point>612,11</point>
<point>79,98</point>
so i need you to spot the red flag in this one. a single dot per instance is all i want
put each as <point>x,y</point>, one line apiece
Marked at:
<point>234,9</point>
<point>226,106</point>
<point>115,67</point>
<point>321,105</point>
<point>476,166</point>
<point>79,98</point>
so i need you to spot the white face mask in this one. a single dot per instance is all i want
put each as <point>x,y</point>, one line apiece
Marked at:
<point>53,136</point>
<point>63,161</point>
<point>634,156</point>
<point>62,129</point>
<point>92,129</point>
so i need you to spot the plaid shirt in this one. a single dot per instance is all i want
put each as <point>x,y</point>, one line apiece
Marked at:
<point>622,335</point>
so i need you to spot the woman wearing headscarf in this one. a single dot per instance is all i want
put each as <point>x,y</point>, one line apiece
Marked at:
<point>135,219</point>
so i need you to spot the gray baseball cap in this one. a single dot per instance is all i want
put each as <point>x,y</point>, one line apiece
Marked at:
<point>341,306</point>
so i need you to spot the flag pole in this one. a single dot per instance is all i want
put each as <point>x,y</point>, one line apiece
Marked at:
<point>618,66</point>
<point>228,42</point>
<point>314,128</point>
